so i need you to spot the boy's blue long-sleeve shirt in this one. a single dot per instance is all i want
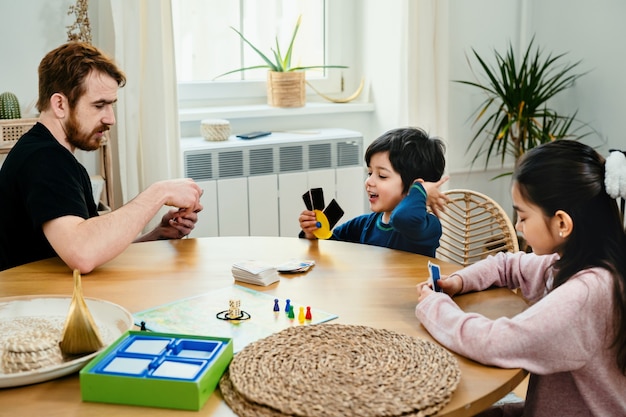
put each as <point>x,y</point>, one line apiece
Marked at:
<point>411,227</point>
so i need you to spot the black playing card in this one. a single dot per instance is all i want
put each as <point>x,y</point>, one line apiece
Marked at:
<point>333,213</point>
<point>314,199</point>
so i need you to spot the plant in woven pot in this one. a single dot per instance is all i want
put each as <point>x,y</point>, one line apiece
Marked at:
<point>285,83</point>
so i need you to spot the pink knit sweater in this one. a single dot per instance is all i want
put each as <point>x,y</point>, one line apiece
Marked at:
<point>563,339</point>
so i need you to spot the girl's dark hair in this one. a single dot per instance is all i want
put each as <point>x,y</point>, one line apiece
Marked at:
<point>412,153</point>
<point>64,69</point>
<point>569,175</point>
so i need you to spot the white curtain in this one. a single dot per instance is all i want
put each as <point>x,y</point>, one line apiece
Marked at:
<point>147,110</point>
<point>405,55</point>
<point>424,83</point>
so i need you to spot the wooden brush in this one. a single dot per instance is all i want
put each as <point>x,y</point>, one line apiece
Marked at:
<point>80,333</point>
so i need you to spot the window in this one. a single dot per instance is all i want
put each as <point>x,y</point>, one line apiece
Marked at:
<point>206,46</point>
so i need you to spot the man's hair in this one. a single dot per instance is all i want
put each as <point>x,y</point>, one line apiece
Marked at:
<point>64,69</point>
<point>412,153</point>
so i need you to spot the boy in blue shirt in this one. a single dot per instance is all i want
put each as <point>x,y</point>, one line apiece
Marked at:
<point>405,168</point>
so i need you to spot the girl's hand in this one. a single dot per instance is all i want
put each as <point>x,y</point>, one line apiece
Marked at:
<point>451,285</point>
<point>423,291</point>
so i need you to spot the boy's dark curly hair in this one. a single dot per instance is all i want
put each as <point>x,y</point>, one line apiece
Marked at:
<point>412,153</point>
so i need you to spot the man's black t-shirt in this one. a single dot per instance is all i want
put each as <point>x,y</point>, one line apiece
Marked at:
<point>40,180</point>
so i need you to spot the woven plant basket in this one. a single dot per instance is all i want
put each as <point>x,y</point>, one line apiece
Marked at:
<point>286,89</point>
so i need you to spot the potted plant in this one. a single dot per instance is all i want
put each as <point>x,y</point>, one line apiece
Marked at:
<point>285,84</point>
<point>515,115</point>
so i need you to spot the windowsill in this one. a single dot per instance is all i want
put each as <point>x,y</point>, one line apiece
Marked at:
<point>263,110</point>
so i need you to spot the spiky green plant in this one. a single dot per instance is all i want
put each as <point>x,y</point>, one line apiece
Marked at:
<point>281,63</point>
<point>9,106</point>
<point>515,115</point>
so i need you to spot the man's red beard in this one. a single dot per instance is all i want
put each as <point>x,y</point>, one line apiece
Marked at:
<point>81,140</point>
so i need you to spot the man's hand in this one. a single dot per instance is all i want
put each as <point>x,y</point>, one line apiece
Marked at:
<point>181,193</point>
<point>175,224</point>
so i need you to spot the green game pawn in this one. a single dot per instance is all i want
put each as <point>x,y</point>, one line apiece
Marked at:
<point>291,314</point>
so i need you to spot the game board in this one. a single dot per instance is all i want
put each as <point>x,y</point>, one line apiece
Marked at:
<point>198,316</point>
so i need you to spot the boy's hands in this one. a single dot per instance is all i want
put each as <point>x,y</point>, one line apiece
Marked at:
<point>451,285</point>
<point>435,198</point>
<point>308,223</point>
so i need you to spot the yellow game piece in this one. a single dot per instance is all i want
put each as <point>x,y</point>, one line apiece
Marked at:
<point>301,315</point>
<point>324,231</point>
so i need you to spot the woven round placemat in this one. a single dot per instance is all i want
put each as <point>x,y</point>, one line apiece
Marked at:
<point>338,370</point>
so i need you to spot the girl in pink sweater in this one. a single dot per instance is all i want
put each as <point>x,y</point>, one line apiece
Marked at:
<point>572,338</point>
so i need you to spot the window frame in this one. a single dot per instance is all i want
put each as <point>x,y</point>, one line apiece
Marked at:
<point>340,27</point>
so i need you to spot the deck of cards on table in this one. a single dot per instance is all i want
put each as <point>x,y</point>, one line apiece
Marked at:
<point>255,272</point>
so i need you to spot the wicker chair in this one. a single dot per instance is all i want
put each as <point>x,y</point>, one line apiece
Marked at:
<point>474,226</point>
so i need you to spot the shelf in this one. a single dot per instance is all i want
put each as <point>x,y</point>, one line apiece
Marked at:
<point>263,110</point>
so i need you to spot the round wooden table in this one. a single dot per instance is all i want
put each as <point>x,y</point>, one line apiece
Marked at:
<point>363,284</point>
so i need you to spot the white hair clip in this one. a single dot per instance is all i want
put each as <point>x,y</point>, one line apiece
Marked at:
<point>615,174</point>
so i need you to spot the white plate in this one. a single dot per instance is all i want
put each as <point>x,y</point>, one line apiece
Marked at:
<point>50,311</point>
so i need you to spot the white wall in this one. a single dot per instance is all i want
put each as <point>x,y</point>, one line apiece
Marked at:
<point>29,30</point>
<point>593,32</point>
<point>471,26</point>
<point>589,31</point>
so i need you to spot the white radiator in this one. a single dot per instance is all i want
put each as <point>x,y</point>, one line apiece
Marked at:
<point>254,187</point>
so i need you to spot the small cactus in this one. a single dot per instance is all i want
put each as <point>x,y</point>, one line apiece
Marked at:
<point>9,106</point>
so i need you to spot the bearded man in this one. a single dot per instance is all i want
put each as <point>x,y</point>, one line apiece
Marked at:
<point>46,199</point>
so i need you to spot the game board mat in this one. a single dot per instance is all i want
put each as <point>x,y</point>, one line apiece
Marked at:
<point>332,370</point>
<point>197,315</point>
